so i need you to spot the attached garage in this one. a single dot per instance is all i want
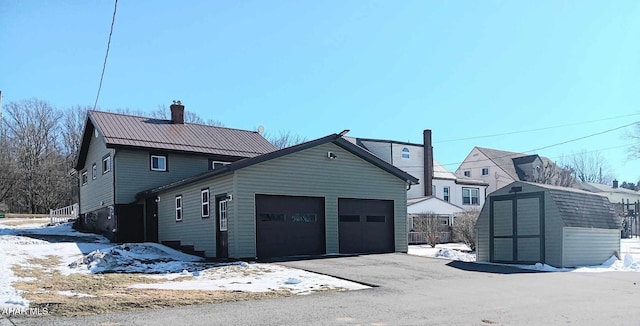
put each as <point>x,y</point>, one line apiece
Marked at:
<point>289,226</point>
<point>326,196</point>
<point>365,226</point>
<point>527,223</point>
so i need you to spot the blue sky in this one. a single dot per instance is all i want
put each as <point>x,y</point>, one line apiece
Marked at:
<point>383,69</point>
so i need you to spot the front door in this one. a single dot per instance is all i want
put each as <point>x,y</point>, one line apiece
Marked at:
<point>151,220</point>
<point>222,239</point>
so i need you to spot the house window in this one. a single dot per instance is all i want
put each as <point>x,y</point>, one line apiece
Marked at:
<point>470,196</point>
<point>406,153</point>
<point>158,163</point>
<point>467,173</point>
<point>433,190</point>
<point>178,208</point>
<point>94,171</point>
<point>485,171</point>
<point>106,164</point>
<point>85,177</point>
<point>222,210</point>
<point>205,202</point>
<point>445,193</point>
<point>217,164</point>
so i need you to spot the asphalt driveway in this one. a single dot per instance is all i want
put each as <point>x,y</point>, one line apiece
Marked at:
<point>412,290</point>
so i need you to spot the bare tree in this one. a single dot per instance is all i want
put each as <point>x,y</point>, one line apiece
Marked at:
<point>7,164</point>
<point>428,224</point>
<point>464,228</point>
<point>590,167</point>
<point>553,174</point>
<point>284,139</point>
<point>74,120</point>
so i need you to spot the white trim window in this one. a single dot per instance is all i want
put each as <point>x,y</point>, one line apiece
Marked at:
<point>217,164</point>
<point>85,177</point>
<point>106,164</point>
<point>467,173</point>
<point>445,193</point>
<point>178,208</point>
<point>158,163</point>
<point>485,171</point>
<point>222,211</point>
<point>470,196</point>
<point>406,153</point>
<point>204,196</point>
<point>94,171</point>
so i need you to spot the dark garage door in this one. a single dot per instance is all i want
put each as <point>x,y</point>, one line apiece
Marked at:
<point>365,226</point>
<point>289,226</point>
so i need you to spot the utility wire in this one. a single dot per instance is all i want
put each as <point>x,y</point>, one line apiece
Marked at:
<point>104,65</point>
<point>539,129</point>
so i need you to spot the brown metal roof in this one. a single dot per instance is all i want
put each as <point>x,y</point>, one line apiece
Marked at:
<point>133,131</point>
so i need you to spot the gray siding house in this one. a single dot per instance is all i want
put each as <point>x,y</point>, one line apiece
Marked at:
<point>121,155</point>
<point>526,223</point>
<point>326,196</point>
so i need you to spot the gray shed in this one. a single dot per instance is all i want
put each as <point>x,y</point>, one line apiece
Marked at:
<point>526,223</point>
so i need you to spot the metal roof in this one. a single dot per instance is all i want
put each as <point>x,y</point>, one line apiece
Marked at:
<point>120,130</point>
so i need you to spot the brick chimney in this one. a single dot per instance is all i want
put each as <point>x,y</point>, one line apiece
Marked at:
<point>428,162</point>
<point>615,184</point>
<point>177,112</point>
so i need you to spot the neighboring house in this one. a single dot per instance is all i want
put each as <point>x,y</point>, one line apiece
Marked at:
<point>121,155</point>
<point>499,168</point>
<point>527,223</point>
<point>460,191</point>
<point>325,196</point>
<point>614,193</point>
<point>446,213</point>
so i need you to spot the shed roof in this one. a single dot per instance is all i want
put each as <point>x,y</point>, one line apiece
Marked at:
<point>579,208</point>
<point>120,130</point>
<point>334,138</point>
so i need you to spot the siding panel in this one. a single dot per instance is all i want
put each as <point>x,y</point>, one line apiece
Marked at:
<point>583,246</point>
<point>96,193</point>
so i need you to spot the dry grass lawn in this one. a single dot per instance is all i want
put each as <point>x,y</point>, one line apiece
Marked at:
<point>108,292</point>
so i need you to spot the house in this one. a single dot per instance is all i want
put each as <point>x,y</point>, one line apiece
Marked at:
<point>325,196</point>
<point>626,202</point>
<point>460,191</point>
<point>527,223</point>
<point>499,168</point>
<point>446,213</point>
<point>121,155</point>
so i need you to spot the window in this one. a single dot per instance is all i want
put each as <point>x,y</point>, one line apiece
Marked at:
<point>405,153</point>
<point>433,190</point>
<point>485,171</point>
<point>216,164</point>
<point>304,218</point>
<point>470,196</point>
<point>445,193</point>
<point>205,202</point>
<point>178,208</point>
<point>349,218</point>
<point>376,219</point>
<point>158,163</point>
<point>85,177</point>
<point>223,215</point>
<point>270,217</point>
<point>467,173</point>
<point>94,171</point>
<point>106,164</point>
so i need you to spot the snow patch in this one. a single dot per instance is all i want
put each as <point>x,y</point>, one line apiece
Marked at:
<point>74,294</point>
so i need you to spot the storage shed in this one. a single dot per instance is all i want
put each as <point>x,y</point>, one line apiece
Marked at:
<point>526,223</point>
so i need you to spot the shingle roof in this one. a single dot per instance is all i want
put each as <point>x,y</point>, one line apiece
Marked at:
<point>119,130</point>
<point>598,187</point>
<point>335,138</point>
<point>579,208</point>
<point>503,159</point>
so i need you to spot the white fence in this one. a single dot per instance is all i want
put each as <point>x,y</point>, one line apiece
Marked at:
<point>64,214</point>
<point>421,237</point>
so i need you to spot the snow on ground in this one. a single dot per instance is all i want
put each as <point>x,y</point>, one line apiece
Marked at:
<point>629,251</point>
<point>88,253</point>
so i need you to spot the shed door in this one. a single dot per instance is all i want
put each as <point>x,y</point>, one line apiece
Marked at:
<point>365,226</point>
<point>517,228</point>
<point>289,226</point>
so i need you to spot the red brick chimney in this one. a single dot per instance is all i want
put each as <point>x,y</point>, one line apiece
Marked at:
<point>428,163</point>
<point>177,112</point>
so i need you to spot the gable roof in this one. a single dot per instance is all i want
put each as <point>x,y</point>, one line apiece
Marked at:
<point>120,130</point>
<point>579,208</point>
<point>598,187</point>
<point>503,160</point>
<point>333,138</point>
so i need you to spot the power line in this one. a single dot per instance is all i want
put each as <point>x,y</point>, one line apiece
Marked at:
<point>538,129</point>
<point>104,65</point>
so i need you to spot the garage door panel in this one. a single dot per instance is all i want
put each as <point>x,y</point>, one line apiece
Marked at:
<point>366,226</point>
<point>289,226</point>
